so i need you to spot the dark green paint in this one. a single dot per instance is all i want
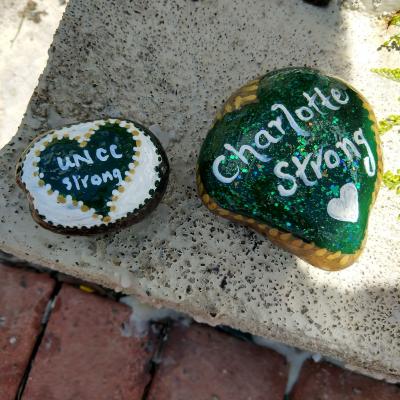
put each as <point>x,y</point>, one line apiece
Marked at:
<point>254,193</point>
<point>93,196</point>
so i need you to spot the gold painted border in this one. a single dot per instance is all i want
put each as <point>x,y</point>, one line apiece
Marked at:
<point>317,256</point>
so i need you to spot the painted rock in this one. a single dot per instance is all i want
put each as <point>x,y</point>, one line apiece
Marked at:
<point>296,156</point>
<point>93,176</point>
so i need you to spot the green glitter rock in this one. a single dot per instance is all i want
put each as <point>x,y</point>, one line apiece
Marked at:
<point>89,177</point>
<point>296,155</point>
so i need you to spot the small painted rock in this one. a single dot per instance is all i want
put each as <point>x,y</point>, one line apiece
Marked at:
<point>296,156</point>
<point>93,176</point>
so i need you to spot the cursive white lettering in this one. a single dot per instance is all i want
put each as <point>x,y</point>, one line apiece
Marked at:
<point>278,172</point>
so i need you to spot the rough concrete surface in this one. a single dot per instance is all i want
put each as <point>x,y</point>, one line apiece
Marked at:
<point>27,29</point>
<point>172,63</point>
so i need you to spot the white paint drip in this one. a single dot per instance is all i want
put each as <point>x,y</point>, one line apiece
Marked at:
<point>294,357</point>
<point>143,314</point>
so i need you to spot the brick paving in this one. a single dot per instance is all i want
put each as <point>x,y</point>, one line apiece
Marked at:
<point>83,352</point>
<point>201,363</point>
<point>23,299</point>
<point>320,381</point>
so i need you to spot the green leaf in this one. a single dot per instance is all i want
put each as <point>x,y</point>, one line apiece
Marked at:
<point>391,180</point>
<point>393,43</point>
<point>395,20</point>
<point>388,123</point>
<point>389,73</point>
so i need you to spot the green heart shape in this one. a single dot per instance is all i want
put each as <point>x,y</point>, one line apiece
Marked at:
<point>247,171</point>
<point>91,181</point>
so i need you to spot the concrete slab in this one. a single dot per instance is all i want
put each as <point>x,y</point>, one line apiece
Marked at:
<point>172,64</point>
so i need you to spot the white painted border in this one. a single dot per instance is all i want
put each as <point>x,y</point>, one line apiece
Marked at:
<point>69,215</point>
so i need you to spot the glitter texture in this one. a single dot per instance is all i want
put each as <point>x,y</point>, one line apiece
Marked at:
<point>318,130</point>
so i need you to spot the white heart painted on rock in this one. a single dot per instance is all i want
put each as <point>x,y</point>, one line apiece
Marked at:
<point>345,208</point>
